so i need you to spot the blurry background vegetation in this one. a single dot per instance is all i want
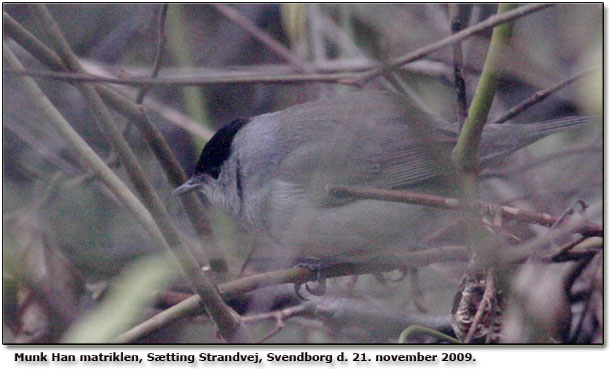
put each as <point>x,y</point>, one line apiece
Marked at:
<point>65,236</point>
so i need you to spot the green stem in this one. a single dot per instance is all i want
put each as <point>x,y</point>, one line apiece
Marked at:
<point>464,155</point>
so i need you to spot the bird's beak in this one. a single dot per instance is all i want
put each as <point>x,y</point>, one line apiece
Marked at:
<point>188,186</point>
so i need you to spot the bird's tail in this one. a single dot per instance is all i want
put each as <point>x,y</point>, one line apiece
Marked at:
<point>542,129</point>
<point>503,139</point>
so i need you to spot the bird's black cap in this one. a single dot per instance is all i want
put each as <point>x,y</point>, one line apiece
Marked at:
<point>218,149</point>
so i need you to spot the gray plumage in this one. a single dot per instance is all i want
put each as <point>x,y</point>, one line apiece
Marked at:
<point>273,175</point>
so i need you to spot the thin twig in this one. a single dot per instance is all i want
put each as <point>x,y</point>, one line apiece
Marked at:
<point>242,21</point>
<point>565,248</point>
<point>486,301</point>
<point>427,67</point>
<point>568,211</point>
<point>179,119</point>
<point>467,32</point>
<point>457,59</point>
<point>477,206</point>
<point>161,40</point>
<point>416,292</point>
<point>38,146</point>
<point>319,49</point>
<point>283,314</point>
<point>539,96</point>
<point>338,78</point>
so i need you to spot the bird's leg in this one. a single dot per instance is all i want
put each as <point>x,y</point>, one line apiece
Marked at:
<point>315,265</point>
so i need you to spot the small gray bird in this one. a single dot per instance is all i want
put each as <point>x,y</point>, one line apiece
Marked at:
<point>269,172</point>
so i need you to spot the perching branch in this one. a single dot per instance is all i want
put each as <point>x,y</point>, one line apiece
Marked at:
<point>240,286</point>
<point>475,206</point>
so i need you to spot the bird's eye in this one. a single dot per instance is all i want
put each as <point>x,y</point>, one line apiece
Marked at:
<point>214,172</point>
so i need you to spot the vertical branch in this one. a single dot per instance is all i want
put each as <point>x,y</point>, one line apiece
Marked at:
<point>316,33</point>
<point>161,40</point>
<point>457,59</point>
<point>180,46</point>
<point>464,155</point>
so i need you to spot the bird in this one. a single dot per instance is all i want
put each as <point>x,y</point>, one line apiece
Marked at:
<point>270,173</point>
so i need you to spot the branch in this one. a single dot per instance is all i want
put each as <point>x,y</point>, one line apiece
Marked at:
<point>85,152</point>
<point>338,78</point>
<point>464,155</point>
<point>540,96</point>
<point>172,169</point>
<point>237,287</point>
<point>227,320</point>
<point>238,18</point>
<point>457,59</point>
<point>457,37</point>
<point>230,290</point>
<point>30,43</point>
<point>476,206</point>
<point>487,301</point>
<point>161,40</point>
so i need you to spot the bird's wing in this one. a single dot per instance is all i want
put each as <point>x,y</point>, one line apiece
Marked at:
<point>379,154</point>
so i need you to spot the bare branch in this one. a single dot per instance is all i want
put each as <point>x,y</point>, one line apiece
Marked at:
<point>239,19</point>
<point>457,37</point>
<point>487,301</point>
<point>539,96</point>
<point>237,287</point>
<point>477,206</point>
<point>161,40</point>
<point>457,59</point>
<point>339,78</point>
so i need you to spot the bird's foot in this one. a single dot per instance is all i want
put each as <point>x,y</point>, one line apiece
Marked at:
<point>314,265</point>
